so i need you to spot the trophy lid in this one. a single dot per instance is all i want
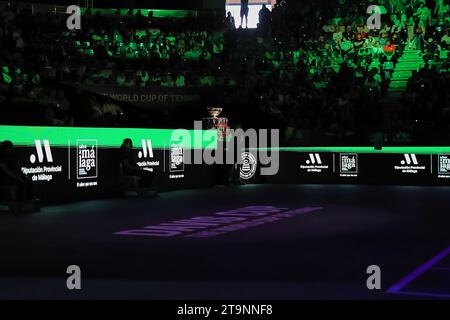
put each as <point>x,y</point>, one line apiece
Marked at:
<point>214,112</point>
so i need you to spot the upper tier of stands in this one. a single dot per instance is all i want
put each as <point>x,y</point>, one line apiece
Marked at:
<point>313,69</point>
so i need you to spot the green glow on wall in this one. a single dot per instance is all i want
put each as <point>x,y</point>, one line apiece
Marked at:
<point>173,13</point>
<point>411,149</point>
<point>157,13</point>
<point>106,137</point>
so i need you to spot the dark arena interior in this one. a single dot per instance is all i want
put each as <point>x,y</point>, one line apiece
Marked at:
<point>212,150</point>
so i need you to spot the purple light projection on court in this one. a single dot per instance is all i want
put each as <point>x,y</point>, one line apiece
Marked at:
<point>220,223</point>
<point>397,288</point>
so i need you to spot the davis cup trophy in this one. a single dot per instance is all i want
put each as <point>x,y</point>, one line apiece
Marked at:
<point>219,124</point>
<point>226,173</point>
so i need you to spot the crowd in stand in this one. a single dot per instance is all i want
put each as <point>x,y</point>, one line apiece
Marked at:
<point>314,68</point>
<point>341,71</point>
<point>40,60</point>
<point>168,55</point>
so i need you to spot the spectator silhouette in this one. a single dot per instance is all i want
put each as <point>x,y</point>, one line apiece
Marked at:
<point>11,175</point>
<point>229,22</point>
<point>130,167</point>
<point>264,19</point>
<point>244,12</point>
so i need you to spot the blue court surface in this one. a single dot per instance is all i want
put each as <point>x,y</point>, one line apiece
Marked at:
<point>247,242</point>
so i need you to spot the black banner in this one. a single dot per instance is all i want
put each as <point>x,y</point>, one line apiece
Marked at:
<point>148,97</point>
<point>74,174</point>
<point>358,168</point>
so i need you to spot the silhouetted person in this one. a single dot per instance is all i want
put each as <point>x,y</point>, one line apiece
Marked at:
<point>229,22</point>
<point>130,167</point>
<point>11,175</point>
<point>264,19</point>
<point>244,12</point>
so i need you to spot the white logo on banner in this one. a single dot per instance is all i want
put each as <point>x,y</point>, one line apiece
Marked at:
<point>40,153</point>
<point>146,154</point>
<point>176,161</point>
<point>444,165</point>
<point>86,159</point>
<point>349,163</point>
<point>410,158</point>
<point>39,171</point>
<point>249,164</point>
<point>409,164</point>
<point>313,158</point>
<point>147,150</point>
<point>314,164</point>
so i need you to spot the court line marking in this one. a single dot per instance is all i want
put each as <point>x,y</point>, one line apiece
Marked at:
<point>441,268</point>
<point>424,294</point>
<point>416,273</point>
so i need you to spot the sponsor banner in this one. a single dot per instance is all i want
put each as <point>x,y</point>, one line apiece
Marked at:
<point>145,156</point>
<point>87,159</point>
<point>158,96</point>
<point>348,165</point>
<point>176,158</point>
<point>413,167</point>
<point>318,166</point>
<point>443,166</point>
<point>41,166</point>
<point>409,164</point>
<point>81,163</point>
<point>87,164</point>
<point>316,163</point>
<point>67,164</point>
<point>84,171</point>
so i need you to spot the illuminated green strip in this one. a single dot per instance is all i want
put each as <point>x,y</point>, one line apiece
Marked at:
<point>157,13</point>
<point>106,137</point>
<point>414,150</point>
<point>172,13</point>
